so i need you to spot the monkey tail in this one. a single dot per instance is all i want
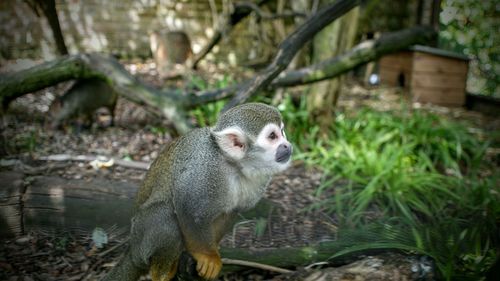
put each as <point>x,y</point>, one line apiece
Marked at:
<point>125,270</point>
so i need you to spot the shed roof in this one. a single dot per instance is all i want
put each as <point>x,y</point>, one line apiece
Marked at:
<point>438,52</point>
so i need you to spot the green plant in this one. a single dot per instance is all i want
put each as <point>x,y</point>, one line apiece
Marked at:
<point>413,175</point>
<point>157,130</point>
<point>26,141</point>
<point>206,114</point>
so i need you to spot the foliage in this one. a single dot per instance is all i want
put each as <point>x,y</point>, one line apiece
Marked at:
<point>468,27</point>
<point>412,173</point>
<point>206,114</point>
<point>26,141</point>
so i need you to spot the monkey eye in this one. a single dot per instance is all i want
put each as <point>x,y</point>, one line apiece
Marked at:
<point>272,136</point>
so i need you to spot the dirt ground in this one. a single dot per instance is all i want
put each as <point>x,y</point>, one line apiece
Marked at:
<point>70,255</point>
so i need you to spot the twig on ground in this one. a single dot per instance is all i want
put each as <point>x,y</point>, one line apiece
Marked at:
<point>30,170</point>
<point>102,254</point>
<point>256,265</point>
<point>87,158</point>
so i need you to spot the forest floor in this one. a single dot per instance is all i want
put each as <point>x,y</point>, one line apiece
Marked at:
<point>73,255</point>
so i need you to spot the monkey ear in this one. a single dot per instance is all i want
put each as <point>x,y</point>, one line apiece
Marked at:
<point>232,141</point>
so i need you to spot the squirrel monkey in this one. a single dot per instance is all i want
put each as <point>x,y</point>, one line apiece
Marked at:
<point>195,188</point>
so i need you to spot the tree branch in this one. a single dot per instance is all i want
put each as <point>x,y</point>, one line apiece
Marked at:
<point>255,265</point>
<point>13,85</point>
<point>290,46</point>
<point>172,105</point>
<point>240,12</point>
<point>362,53</point>
<point>263,15</point>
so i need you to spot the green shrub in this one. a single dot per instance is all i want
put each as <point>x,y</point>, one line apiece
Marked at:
<point>411,178</point>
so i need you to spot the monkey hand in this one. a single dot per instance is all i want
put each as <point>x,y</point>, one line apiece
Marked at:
<point>208,265</point>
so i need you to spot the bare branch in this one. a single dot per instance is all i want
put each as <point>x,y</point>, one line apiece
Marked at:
<point>267,16</point>
<point>89,158</point>
<point>65,68</point>
<point>290,46</point>
<point>362,53</point>
<point>255,265</point>
<point>224,27</point>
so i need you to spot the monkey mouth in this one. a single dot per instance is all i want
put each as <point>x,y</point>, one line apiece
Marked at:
<point>283,158</point>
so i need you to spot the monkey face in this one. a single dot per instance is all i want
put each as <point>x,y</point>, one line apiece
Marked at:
<point>266,154</point>
<point>274,147</point>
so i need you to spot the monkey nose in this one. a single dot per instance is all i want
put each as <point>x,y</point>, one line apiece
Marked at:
<point>283,152</point>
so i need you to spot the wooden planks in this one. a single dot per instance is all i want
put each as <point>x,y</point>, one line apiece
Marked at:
<point>59,203</point>
<point>441,96</point>
<point>437,80</point>
<point>54,203</point>
<point>430,78</point>
<point>393,66</point>
<point>436,64</point>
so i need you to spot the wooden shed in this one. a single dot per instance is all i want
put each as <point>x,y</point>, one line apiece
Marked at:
<point>431,75</point>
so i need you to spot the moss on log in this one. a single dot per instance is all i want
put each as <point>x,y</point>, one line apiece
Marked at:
<point>362,53</point>
<point>80,66</point>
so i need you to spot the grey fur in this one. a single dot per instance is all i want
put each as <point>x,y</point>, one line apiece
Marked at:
<point>191,185</point>
<point>251,117</point>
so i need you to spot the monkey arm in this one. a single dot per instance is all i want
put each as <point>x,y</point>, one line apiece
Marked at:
<point>201,231</point>
<point>200,240</point>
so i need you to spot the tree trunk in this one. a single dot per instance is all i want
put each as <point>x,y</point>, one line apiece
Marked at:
<point>49,9</point>
<point>332,41</point>
<point>428,14</point>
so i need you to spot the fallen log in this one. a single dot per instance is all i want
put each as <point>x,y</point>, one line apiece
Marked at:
<point>54,203</point>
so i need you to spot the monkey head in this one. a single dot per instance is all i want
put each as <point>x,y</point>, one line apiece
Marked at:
<point>253,136</point>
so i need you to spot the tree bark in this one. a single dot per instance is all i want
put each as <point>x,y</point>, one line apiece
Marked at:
<point>49,9</point>
<point>107,68</point>
<point>290,46</point>
<point>333,40</point>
